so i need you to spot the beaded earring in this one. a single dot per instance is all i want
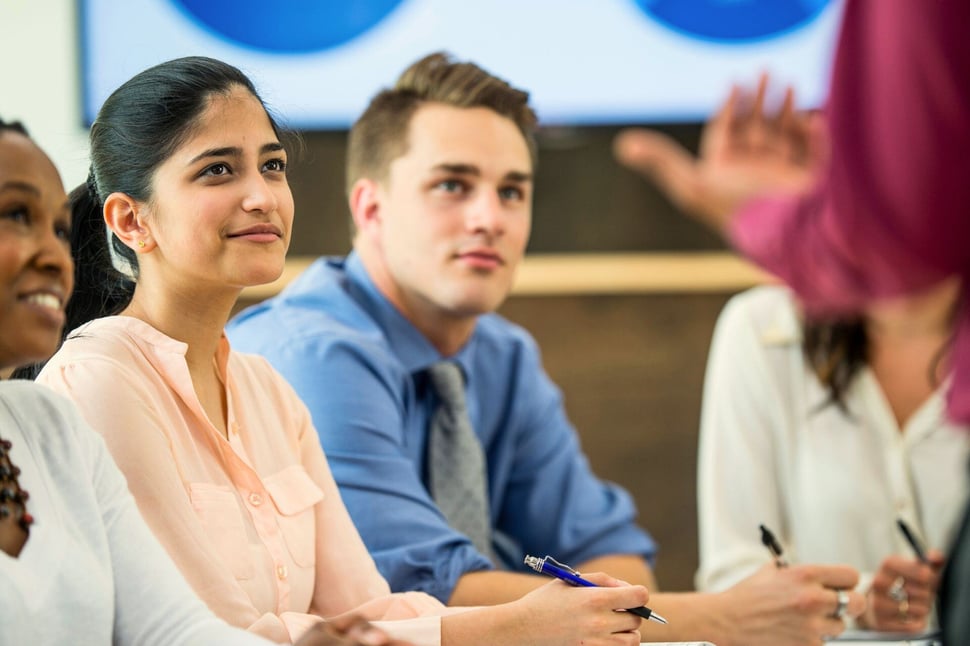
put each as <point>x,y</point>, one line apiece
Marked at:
<point>13,499</point>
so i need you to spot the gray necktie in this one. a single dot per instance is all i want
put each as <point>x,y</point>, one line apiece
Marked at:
<point>457,478</point>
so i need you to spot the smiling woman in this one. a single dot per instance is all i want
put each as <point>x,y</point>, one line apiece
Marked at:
<point>35,264</point>
<point>241,212</point>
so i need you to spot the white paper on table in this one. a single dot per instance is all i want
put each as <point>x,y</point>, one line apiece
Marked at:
<point>888,642</point>
<point>872,638</point>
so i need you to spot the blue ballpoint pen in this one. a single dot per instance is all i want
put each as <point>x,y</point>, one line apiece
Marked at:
<point>552,567</point>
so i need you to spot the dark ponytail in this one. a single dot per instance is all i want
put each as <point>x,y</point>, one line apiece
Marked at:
<point>99,288</point>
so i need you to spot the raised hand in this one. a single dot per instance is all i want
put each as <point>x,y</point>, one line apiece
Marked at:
<point>745,151</point>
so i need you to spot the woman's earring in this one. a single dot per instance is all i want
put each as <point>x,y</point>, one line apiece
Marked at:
<point>141,244</point>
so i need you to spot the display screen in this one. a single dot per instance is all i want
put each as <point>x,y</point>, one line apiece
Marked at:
<point>585,62</point>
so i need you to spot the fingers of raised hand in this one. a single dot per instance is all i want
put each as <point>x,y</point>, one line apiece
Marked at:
<point>662,159</point>
<point>762,126</point>
<point>649,151</point>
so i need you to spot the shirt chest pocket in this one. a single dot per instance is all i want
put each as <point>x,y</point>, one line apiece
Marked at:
<point>295,495</point>
<point>222,520</point>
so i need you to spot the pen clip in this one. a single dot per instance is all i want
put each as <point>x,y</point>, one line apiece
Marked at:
<point>561,565</point>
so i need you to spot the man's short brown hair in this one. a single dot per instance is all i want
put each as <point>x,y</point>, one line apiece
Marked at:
<point>379,136</point>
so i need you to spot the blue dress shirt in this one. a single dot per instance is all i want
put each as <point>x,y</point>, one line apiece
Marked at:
<point>357,363</point>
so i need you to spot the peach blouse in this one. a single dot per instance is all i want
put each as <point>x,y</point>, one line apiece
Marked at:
<point>254,521</point>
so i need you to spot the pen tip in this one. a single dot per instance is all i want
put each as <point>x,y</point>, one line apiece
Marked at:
<point>766,538</point>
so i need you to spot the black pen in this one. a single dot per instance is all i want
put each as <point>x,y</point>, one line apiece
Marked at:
<point>552,567</point>
<point>768,540</point>
<point>912,540</point>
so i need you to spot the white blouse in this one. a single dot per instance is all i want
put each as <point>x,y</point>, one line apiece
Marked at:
<point>830,486</point>
<point>90,573</point>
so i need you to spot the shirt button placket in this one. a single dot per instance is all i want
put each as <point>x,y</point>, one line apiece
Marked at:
<point>899,478</point>
<point>255,499</point>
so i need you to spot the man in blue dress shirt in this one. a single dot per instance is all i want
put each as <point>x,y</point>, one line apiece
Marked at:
<point>439,177</point>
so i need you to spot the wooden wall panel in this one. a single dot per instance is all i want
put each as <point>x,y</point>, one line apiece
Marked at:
<point>631,370</point>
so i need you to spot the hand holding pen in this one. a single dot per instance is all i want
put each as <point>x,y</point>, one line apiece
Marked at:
<point>842,594</point>
<point>555,614</point>
<point>902,591</point>
<point>563,572</point>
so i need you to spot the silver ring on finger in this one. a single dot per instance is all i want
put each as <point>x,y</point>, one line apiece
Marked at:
<point>904,610</point>
<point>841,604</point>
<point>897,591</point>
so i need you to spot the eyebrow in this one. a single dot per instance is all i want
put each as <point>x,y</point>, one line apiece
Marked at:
<point>470,169</point>
<point>518,176</point>
<point>33,190</point>
<point>20,186</point>
<point>234,151</point>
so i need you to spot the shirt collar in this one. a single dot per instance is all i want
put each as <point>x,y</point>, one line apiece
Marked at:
<point>162,351</point>
<point>784,326</point>
<point>413,349</point>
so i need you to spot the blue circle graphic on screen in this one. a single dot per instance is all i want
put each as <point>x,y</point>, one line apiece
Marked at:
<point>288,26</point>
<point>733,21</point>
